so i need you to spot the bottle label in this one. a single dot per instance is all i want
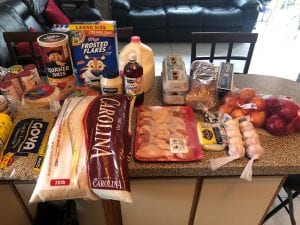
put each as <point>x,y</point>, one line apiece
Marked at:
<point>109,91</point>
<point>134,86</point>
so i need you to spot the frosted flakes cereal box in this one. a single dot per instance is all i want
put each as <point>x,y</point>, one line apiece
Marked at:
<point>94,50</point>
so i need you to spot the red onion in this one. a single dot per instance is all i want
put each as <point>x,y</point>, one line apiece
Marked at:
<point>276,125</point>
<point>288,110</point>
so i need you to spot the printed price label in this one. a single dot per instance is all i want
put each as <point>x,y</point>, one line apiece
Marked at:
<point>178,145</point>
<point>60,182</point>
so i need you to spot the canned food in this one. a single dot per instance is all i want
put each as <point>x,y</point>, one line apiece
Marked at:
<point>14,78</point>
<point>28,80</point>
<point>57,60</point>
<point>6,126</point>
<point>16,68</point>
<point>32,68</point>
<point>9,90</point>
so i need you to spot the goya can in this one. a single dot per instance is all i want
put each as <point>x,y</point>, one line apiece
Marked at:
<point>57,60</point>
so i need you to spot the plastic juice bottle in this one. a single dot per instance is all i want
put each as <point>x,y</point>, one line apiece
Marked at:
<point>133,79</point>
<point>145,58</point>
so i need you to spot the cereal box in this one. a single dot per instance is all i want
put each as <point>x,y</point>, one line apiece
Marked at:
<point>94,50</point>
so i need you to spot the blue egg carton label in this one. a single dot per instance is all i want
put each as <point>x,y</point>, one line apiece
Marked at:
<point>94,51</point>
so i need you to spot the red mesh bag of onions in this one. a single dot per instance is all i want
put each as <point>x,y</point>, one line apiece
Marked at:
<point>107,126</point>
<point>282,115</point>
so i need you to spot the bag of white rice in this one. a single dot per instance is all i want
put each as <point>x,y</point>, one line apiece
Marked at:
<point>107,125</point>
<point>64,174</point>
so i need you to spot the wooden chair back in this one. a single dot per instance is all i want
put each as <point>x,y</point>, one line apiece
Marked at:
<point>222,37</point>
<point>124,33</point>
<point>13,38</point>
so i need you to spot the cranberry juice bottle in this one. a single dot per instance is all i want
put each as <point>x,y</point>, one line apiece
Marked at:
<point>133,77</point>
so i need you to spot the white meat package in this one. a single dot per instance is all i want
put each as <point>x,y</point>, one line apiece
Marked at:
<point>167,134</point>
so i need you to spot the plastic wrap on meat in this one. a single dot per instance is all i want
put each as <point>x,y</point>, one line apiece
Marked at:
<point>166,134</point>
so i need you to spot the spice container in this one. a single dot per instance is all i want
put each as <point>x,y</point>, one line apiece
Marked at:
<point>32,68</point>
<point>57,60</point>
<point>9,90</point>
<point>14,78</point>
<point>28,80</point>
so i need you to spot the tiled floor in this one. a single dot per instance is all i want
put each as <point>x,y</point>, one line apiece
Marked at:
<point>282,217</point>
<point>277,51</point>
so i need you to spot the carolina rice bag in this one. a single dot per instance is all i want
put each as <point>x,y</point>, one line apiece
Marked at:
<point>23,154</point>
<point>106,126</point>
<point>64,174</point>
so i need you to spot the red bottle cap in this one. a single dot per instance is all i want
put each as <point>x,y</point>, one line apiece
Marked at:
<point>135,39</point>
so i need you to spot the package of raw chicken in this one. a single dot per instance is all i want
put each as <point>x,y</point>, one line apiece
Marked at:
<point>167,134</point>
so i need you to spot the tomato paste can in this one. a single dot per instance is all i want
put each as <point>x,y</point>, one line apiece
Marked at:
<point>8,90</point>
<point>14,78</point>
<point>57,60</point>
<point>28,80</point>
<point>32,68</point>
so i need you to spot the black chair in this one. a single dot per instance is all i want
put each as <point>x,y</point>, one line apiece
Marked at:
<point>124,33</point>
<point>12,38</point>
<point>231,38</point>
<point>292,188</point>
<point>77,3</point>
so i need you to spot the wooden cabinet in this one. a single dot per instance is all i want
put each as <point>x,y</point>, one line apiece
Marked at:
<point>233,201</point>
<point>159,201</point>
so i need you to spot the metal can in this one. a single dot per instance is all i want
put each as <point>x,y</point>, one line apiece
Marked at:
<point>28,80</point>
<point>14,78</point>
<point>57,60</point>
<point>16,68</point>
<point>6,126</point>
<point>9,90</point>
<point>32,68</point>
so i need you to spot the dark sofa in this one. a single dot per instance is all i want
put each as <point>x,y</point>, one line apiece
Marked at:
<point>17,15</point>
<point>174,20</point>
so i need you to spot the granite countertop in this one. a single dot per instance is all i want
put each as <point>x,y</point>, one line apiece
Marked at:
<point>282,154</point>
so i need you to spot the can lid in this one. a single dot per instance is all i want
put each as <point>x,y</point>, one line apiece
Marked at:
<point>135,39</point>
<point>10,76</point>
<point>29,67</point>
<point>5,84</point>
<point>16,68</point>
<point>25,73</point>
<point>52,39</point>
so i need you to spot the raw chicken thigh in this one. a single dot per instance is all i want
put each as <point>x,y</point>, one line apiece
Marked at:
<point>164,133</point>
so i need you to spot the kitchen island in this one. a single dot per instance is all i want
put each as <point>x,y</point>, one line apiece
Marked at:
<point>190,193</point>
